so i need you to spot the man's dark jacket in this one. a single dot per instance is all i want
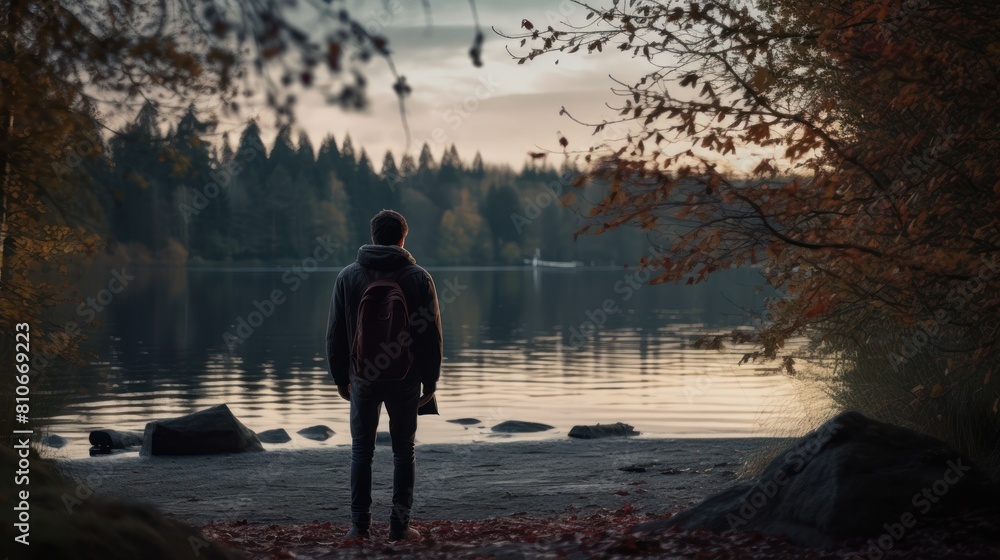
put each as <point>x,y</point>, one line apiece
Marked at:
<point>386,261</point>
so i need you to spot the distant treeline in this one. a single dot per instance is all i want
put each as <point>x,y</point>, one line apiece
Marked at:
<point>177,197</point>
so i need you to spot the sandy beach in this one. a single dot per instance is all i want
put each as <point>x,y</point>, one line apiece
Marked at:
<point>454,481</point>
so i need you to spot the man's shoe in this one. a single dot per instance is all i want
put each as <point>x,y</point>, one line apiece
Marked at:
<point>407,534</point>
<point>357,533</point>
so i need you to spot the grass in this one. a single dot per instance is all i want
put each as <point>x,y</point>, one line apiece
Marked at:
<point>936,388</point>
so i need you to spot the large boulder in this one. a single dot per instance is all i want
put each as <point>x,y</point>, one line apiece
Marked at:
<point>209,431</point>
<point>603,430</point>
<point>113,439</point>
<point>853,477</point>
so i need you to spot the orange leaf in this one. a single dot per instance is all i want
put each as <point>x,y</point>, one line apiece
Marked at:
<point>936,390</point>
<point>817,309</point>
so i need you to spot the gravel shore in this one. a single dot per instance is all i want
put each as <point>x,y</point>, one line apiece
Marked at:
<point>454,481</point>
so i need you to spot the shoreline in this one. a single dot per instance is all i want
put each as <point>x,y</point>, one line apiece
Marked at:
<point>539,478</point>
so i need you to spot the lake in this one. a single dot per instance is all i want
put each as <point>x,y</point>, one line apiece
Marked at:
<point>561,347</point>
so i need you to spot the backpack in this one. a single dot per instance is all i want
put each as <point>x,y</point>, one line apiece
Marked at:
<point>382,339</point>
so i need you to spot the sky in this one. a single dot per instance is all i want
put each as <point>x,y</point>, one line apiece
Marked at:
<point>502,109</point>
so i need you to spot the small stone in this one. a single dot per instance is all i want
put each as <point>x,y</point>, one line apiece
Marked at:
<point>114,439</point>
<point>603,430</point>
<point>318,433</point>
<point>520,427</point>
<point>54,441</point>
<point>277,435</point>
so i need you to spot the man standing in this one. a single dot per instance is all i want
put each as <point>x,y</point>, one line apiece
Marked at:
<point>369,380</point>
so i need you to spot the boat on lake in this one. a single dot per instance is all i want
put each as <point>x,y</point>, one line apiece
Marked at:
<point>536,261</point>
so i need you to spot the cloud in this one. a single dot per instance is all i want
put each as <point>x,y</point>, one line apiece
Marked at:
<point>521,113</point>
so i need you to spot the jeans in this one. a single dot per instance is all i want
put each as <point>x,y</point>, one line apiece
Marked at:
<point>401,399</point>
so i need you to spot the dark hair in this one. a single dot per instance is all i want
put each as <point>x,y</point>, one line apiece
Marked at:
<point>388,227</point>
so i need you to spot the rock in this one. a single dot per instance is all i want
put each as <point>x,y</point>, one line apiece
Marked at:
<point>465,421</point>
<point>54,441</point>
<point>318,433</point>
<point>603,430</point>
<point>383,438</point>
<point>277,435</point>
<point>105,440</point>
<point>71,519</point>
<point>852,477</point>
<point>209,431</point>
<point>519,427</point>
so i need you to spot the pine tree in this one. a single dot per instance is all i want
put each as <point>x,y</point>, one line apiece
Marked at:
<point>283,152</point>
<point>327,162</point>
<point>306,156</point>
<point>248,198</point>
<point>407,167</point>
<point>389,170</point>
<point>426,162</point>
<point>451,170</point>
<point>139,163</point>
<point>204,203</point>
<point>500,204</point>
<point>478,171</point>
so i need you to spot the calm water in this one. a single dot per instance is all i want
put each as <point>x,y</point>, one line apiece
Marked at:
<point>518,344</point>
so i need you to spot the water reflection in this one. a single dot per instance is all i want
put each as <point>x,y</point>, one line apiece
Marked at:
<point>556,346</point>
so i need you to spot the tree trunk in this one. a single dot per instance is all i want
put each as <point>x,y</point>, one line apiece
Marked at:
<point>8,24</point>
<point>7,44</point>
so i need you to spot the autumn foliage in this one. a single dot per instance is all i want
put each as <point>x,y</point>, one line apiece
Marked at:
<point>872,197</point>
<point>602,534</point>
